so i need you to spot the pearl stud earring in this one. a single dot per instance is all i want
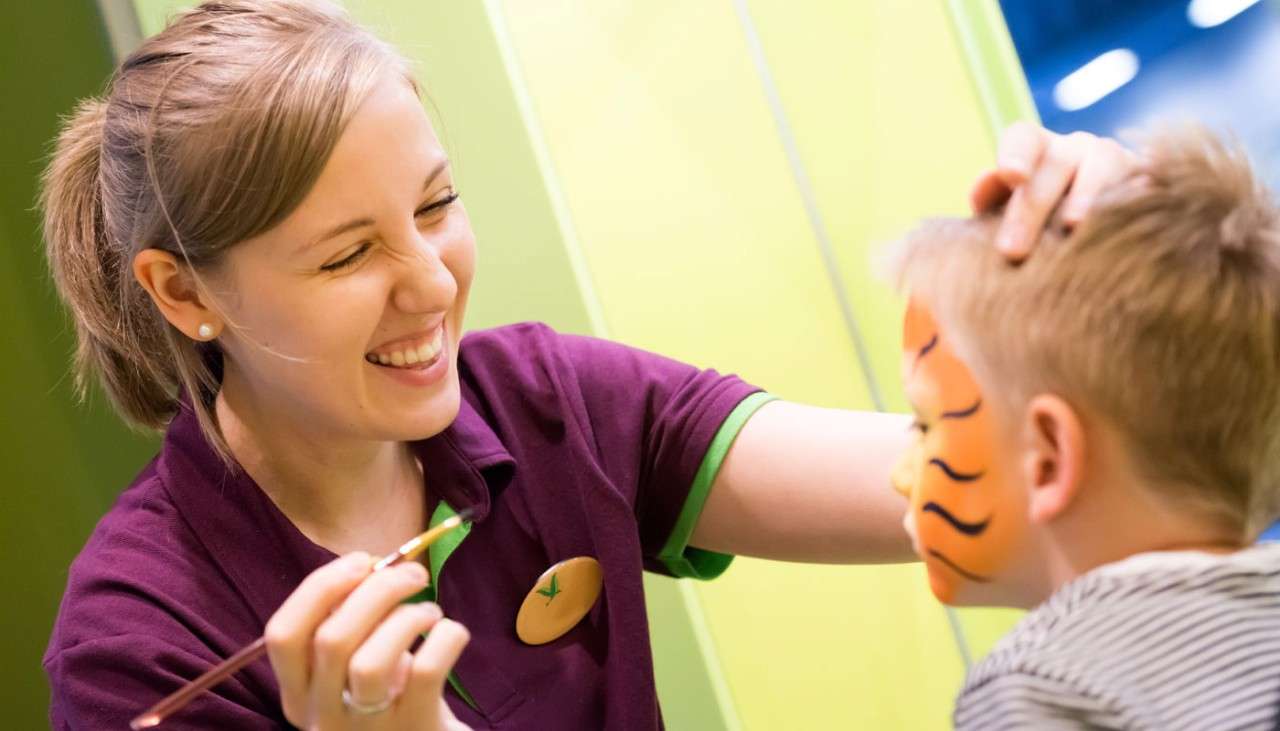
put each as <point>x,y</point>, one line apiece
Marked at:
<point>205,331</point>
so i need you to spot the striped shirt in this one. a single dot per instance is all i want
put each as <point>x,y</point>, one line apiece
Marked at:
<point>1165,641</point>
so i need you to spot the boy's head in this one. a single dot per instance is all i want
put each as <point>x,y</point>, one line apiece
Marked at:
<point>1119,391</point>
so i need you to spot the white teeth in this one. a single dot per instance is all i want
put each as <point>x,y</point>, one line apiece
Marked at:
<point>424,353</point>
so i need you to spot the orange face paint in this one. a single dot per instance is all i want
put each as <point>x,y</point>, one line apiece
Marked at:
<point>963,507</point>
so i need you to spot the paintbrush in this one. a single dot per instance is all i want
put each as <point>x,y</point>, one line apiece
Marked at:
<point>184,695</point>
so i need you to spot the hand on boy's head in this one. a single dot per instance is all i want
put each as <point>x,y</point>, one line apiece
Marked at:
<point>1038,170</point>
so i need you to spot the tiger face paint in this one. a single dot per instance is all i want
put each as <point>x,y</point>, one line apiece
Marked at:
<point>965,515</point>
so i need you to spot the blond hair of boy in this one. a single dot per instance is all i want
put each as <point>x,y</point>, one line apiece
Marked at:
<point>1104,449</point>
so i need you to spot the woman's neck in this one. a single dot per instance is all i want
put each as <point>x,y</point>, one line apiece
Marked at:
<point>343,494</point>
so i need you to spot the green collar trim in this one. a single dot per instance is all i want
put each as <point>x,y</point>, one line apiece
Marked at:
<point>441,550</point>
<point>437,554</point>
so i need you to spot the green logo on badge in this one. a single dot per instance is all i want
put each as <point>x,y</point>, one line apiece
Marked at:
<point>552,592</point>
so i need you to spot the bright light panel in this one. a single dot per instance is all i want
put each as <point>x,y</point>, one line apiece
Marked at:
<point>1096,79</point>
<point>1208,13</point>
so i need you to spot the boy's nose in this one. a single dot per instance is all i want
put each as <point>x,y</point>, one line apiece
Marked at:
<point>906,473</point>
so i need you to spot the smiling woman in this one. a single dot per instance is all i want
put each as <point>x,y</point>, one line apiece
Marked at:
<point>242,232</point>
<point>289,307</point>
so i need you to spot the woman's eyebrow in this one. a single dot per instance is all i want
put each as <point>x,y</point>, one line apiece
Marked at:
<point>367,221</point>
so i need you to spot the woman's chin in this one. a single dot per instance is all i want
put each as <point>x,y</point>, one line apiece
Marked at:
<point>415,402</point>
<point>426,416</point>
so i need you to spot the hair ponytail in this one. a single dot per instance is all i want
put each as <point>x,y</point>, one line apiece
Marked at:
<point>94,276</point>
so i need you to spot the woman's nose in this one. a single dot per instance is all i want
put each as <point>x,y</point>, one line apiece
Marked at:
<point>425,283</point>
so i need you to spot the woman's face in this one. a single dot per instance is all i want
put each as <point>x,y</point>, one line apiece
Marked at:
<point>345,318</point>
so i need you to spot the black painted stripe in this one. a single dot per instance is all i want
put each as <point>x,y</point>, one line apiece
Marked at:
<point>953,474</point>
<point>951,565</point>
<point>963,413</point>
<point>969,529</point>
<point>933,343</point>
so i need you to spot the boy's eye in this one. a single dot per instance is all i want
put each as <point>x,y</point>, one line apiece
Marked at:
<point>920,426</point>
<point>348,260</point>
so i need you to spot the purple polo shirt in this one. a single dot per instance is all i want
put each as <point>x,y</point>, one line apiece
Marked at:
<point>564,446</point>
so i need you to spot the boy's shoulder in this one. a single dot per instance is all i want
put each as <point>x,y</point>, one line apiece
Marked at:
<point>1140,643</point>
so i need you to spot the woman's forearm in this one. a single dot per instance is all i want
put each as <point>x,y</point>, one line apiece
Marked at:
<point>803,483</point>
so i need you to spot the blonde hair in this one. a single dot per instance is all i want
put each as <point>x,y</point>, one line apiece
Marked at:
<point>210,133</point>
<point>1160,314</point>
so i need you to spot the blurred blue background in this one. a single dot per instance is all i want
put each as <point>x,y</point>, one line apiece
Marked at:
<point>1108,67</point>
<point>1214,61</point>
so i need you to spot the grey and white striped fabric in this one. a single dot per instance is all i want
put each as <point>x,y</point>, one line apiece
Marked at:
<point>1160,641</point>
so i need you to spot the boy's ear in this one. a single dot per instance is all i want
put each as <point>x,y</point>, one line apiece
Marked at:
<point>1053,456</point>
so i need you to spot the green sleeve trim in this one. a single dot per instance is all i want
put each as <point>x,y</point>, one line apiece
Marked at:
<point>681,559</point>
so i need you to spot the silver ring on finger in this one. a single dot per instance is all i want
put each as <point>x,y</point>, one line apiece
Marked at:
<point>364,709</point>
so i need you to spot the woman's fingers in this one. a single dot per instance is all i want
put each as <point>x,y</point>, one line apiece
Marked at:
<point>1103,163</point>
<point>1017,155</point>
<point>1019,152</point>
<point>289,632</point>
<point>988,192</point>
<point>345,627</point>
<point>1033,202</point>
<point>422,696</point>
<point>350,625</point>
<point>1036,172</point>
<point>372,672</point>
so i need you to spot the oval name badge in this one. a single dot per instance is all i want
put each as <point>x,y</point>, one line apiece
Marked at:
<point>559,600</point>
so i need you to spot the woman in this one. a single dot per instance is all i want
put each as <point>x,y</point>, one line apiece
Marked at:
<point>258,235</point>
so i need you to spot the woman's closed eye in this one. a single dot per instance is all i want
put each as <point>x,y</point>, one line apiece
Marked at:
<point>437,205</point>
<point>363,248</point>
<point>346,261</point>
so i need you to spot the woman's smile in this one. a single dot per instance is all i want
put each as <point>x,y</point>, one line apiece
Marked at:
<point>418,360</point>
<point>422,347</point>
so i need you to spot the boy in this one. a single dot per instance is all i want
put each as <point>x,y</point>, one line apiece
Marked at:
<point>1099,438</point>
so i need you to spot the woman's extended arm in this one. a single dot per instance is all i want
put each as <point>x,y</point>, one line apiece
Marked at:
<point>803,483</point>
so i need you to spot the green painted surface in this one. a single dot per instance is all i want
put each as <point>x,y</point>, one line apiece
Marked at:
<point>995,71</point>
<point>62,463</point>
<point>699,245</point>
<point>152,14</point>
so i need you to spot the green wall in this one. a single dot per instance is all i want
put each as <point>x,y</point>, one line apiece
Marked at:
<point>729,170</point>
<point>703,179</point>
<point>61,464</point>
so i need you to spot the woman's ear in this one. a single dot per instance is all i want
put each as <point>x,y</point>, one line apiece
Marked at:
<point>173,288</point>
<point>1053,458</point>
